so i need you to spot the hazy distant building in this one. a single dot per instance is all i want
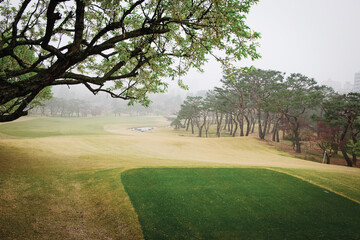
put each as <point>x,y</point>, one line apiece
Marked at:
<point>357,82</point>
<point>334,84</point>
<point>347,87</point>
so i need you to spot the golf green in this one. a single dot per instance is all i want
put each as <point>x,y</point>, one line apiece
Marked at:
<point>237,203</point>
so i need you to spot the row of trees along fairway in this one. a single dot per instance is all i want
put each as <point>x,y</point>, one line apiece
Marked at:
<point>123,48</point>
<point>269,102</point>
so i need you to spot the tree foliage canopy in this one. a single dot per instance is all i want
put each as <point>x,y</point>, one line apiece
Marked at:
<point>295,104</point>
<point>134,44</point>
<point>343,112</point>
<point>267,97</point>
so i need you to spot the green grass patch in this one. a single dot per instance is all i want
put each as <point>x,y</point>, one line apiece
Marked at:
<point>205,203</point>
<point>343,183</point>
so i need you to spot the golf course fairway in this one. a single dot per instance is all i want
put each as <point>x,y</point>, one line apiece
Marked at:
<point>94,178</point>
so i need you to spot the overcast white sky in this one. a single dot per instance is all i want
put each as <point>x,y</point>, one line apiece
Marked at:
<point>318,38</point>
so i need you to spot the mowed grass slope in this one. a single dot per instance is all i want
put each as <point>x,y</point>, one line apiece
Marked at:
<point>237,204</point>
<point>60,177</point>
<point>47,127</point>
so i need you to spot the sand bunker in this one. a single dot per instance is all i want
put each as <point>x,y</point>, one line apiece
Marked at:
<point>142,129</point>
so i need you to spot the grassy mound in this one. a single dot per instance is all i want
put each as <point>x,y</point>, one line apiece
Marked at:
<point>226,203</point>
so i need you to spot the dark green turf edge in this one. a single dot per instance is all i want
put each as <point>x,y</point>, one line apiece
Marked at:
<point>236,203</point>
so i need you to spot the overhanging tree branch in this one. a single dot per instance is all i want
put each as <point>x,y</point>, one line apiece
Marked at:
<point>137,41</point>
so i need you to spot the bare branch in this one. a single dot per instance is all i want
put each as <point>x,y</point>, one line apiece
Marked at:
<point>17,19</point>
<point>115,25</point>
<point>19,112</point>
<point>133,34</point>
<point>52,17</point>
<point>79,27</point>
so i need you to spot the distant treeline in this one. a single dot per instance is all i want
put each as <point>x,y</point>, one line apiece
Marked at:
<point>61,107</point>
<point>269,102</point>
<point>73,107</point>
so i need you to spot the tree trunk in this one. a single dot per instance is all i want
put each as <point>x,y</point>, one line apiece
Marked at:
<point>226,121</point>
<point>336,147</point>
<point>229,121</point>
<point>207,125</point>
<point>241,125</point>
<point>265,124</point>
<point>236,127</point>
<point>247,126</point>
<point>200,130</point>
<point>354,159</point>
<point>346,157</point>
<point>354,138</point>
<point>259,126</point>
<point>327,158</point>
<point>192,127</point>
<point>202,125</point>
<point>253,125</point>
<point>343,145</point>
<point>297,145</point>
<point>295,128</point>
<point>218,123</point>
<point>269,126</point>
<point>275,131</point>
<point>262,132</point>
